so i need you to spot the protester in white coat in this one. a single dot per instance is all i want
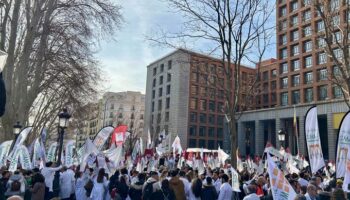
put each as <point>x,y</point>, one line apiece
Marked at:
<point>100,189</point>
<point>225,189</point>
<point>81,180</point>
<point>66,184</point>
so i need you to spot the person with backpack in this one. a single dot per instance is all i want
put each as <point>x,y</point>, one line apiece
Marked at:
<point>135,192</point>
<point>151,186</point>
<point>16,185</point>
<point>165,192</point>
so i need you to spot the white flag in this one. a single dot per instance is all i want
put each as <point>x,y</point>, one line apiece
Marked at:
<point>89,148</point>
<point>313,140</point>
<point>177,145</point>
<point>222,156</point>
<point>24,157</point>
<point>343,146</point>
<point>36,153</point>
<point>280,187</point>
<point>149,140</point>
<point>235,180</point>
<point>51,152</point>
<point>22,136</point>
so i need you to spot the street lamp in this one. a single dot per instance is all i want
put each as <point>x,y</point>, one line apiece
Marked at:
<point>63,119</point>
<point>281,136</point>
<point>16,130</point>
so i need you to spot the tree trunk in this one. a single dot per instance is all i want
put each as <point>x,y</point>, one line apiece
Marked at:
<point>234,134</point>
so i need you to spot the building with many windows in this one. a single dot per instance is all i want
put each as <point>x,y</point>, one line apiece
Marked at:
<point>184,97</point>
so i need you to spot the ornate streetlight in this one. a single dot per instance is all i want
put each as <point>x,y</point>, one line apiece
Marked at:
<point>281,136</point>
<point>63,120</point>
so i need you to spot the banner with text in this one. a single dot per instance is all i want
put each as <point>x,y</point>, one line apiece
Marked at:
<point>343,146</point>
<point>313,140</point>
<point>69,153</point>
<point>102,137</point>
<point>51,152</point>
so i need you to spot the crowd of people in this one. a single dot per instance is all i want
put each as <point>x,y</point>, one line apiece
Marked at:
<point>167,182</point>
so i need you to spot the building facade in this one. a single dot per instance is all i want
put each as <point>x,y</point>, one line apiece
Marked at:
<point>185,97</point>
<point>300,78</point>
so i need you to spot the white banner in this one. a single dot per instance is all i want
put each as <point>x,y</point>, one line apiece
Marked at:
<point>274,152</point>
<point>343,146</point>
<point>69,153</point>
<point>222,156</point>
<point>313,140</point>
<point>235,180</point>
<point>14,160</point>
<point>177,146</point>
<point>51,152</point>
<point>23,136</point>
<point>280,187</point>
<point>135,150</point>
<point>36,153</point>
<point>4,150</point>
<point>24,157</point>
<point>102,137</point>
<point>346,181</point>
<point>88,149</point>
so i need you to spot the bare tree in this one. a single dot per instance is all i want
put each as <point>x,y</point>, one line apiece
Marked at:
<point>333,34</point>
<point>239,32</point>
<point>51,46</point>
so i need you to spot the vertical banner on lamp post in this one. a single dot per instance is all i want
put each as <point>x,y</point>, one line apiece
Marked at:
<point>69,153</point>
<point>36,153</point>
<point>4,149</point>
<point>51,152</point>
<point>24,158</point>
<point>313,140</point>
<point>102,137</point>
<point>343,146</point>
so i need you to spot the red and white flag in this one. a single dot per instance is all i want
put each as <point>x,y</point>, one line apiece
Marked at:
<point>119,134</point>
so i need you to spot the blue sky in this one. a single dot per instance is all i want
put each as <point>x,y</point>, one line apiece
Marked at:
<point>124,60</point>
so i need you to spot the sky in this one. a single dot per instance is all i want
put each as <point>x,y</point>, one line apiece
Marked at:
<point>124,59</point>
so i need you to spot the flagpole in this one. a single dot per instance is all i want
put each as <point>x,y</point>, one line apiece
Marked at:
<point>296,130</point>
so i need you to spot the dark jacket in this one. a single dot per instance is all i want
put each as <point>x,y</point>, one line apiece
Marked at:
<point>135,191</point>
<point>164,195</point>
<point>38,191</point>
<point>209,192</point>
<point>2,96</point>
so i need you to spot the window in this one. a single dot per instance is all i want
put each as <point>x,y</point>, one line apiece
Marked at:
<point>283,53</point>
<point>203,91</point>
<point>273,73</point>
<point>294,6</point>
<point>337,92</point>
<point>284,83</point>
<point>295,35</point>
<point>194,90</point>
<point>284,99</point>
<point>159,104</point>
<point>273,85</point>
<point>336,71</point>
<point>154,71</point>
<point>154,83</point>
<point>202,131</point>
<point>337,37</point>
<point>283,25</point>
<point>202,144</point>
<point>295,50</point>
<point>283,11</point>
<point>322,75</point>
<point>334,4</point>
<point>284,68</point>
<point>322,59</point>
<point>110,114</point>
<point>192,143</point>
<point>321,42</point>
<point>265,76</point>
<point>294,20</point>
<point>203,118</point>
<point>153,94</point>
<point>212,106</point>
<point>211,132</point>
<point>295,65</point>
<point>168,78</point>
<point>193,117</point>
<point>220,107</point>
<point>152,106</point>
<point>160,80</point>
<point>307,46</point>
<point>321,8</point>
<point>220,94</point>
<point>307,31</point>
<point>211,144</point>
<point>283,39</point>
<point>212,94</point>
<point>296,80</point>
<point>162,68</point>
<point>295,97</point>
<point>193,104</point>
<point>193,130</point>
<point>306,2</point>
<point>320,26</point>
<point>308,62</point>
<point>220,132</point>
<point>220,120</point>
<point>338,53</point>
<point>336,20</point>
<point>309,95</point>
<point>308,77</point>
<point>168,89</point>
<point>170,63</point>
<point>203,105</point>
<point>167,103</point>
<point>307,15</point>
<point>195,77</point>
<point>166,117</point>
<point>322,92</point>
<point>160,92</point>
<point>211,119</point>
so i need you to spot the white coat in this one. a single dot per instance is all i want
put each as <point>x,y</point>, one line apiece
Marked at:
<point>99,190</point>
<point>66,184</point>
<point>80,192</point>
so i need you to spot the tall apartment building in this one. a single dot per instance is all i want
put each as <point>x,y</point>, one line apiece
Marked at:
<point>126,108</point>
<point>299,77</point>
<point>184,98</point>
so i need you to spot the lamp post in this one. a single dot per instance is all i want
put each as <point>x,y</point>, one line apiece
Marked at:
<point>16,130</point>
<point>63,119</point>
<point>281,136</point>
